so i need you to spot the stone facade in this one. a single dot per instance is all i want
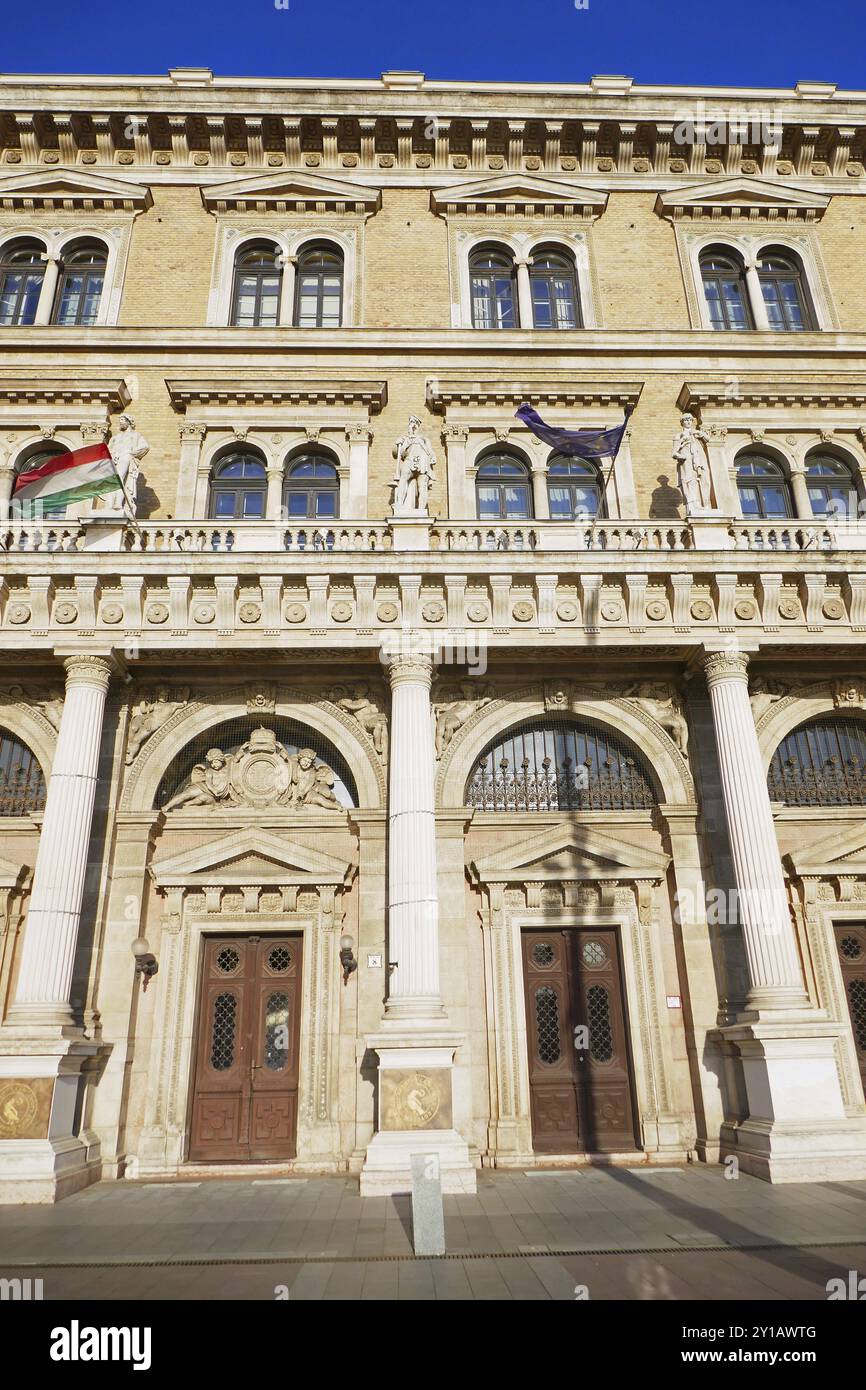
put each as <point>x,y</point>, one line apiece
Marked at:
<point>273,726</point>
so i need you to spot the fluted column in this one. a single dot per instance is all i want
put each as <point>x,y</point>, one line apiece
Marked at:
<point>524,294</point>
<point>768,932</point>
<point>45,978</point>
<point>413,905</point>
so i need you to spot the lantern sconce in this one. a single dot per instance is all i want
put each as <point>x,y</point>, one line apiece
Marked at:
<point>146,964</point>
<point>347,958</point>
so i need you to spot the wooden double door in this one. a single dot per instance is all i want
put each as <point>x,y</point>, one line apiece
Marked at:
<point>851,945</point>
<point>245,1092</point>
<point>580,1078</point>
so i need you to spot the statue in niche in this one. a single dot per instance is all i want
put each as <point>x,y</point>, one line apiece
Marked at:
<point>127,448</point>
<point>357,701</point>
<point>664,705</point>
<point>149,715</point>
<point>414,473</point>
<point>693,466</point>
<point>451,715</point>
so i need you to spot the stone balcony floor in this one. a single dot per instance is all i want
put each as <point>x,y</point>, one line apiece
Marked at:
<point>624,1233</point>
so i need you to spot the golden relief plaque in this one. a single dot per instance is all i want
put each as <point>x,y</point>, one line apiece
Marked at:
<point>416,1099</point>
<point>25,1108</point>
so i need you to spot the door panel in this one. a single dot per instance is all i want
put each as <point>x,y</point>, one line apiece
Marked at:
<point>851,944</point>
<point>579,1069</point>
<point>245,1099</point>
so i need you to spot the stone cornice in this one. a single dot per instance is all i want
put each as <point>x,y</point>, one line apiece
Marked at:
<point>550,390</point>
<point>52,391</point>
<point>769,391</point>
<point>510,194</point>
<point>71,190</point>
<point>251,391</point>
<point>736,199</point>
<point>290,192</point>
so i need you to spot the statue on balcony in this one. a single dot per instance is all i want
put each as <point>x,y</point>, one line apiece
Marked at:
<point>127,448</point>
<point>414,473</point>
<point>693,466</point>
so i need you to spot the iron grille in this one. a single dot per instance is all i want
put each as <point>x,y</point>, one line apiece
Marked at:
<point>547,765</point>
<point>22,784</point>
<point>823,763</point>
<point>233,734</point>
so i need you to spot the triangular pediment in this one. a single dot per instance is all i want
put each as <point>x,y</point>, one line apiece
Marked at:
<point>60,190</point>
<point>843,852</point>
<point>250,856</point>
<point>518,192</point>
<point>741,197</point>
<point>569,853</point>
<point>288,191</point>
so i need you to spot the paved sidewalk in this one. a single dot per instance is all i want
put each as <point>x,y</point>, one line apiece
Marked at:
<point>630,1233</point>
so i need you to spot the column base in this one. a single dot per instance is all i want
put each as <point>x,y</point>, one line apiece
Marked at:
<point>797,1129</point>
<point>387,1167</point>
<point>43,1155</point>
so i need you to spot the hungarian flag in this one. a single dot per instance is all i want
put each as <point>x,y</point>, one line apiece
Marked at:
<point>584,444</point>
<point>87,472</point>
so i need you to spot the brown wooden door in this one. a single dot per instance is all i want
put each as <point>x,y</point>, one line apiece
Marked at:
<point>580,1081</point>
<point>245,1100</point>
<point>851,943</point>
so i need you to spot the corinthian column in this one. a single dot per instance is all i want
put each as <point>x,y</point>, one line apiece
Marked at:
<point>768,931</point>
<point>48,954</point>
<point>413,905</point>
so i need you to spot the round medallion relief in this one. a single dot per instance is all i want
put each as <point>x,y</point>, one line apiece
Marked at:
<point>477,612</point>
<point>611,612</point>
<point>19,613</point>
<point>294,612</point>
<point>249,612</point>
<point>523,612</point>
<point>789,608</point>
<point>65,613</point>
<point>746,610</point>
<point>833,608</point>
<point>701,610</point>
<point>18,1107</point>
<point>386,612</point>
<point>656,611</point>
<point>204,613</point>
<point>112,613</point>
<point>566,611</point>
<point>433,612</point>
<point>341,612</point>
<point>156,613</point>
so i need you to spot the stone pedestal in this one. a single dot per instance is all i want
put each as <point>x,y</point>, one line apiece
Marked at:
<point>42,1159</point>
<point>410,532</point>
<point>797,1129</point>
<point>104,530</point>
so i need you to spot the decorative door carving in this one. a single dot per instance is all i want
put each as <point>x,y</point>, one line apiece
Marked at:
<point>851,944</point>
<point>579,1067</point>
<point>245,1096</point>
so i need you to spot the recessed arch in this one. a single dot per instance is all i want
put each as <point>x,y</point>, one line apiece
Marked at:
<point>821,762</point>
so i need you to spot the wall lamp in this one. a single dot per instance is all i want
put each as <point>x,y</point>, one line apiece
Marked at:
<point>146,964</point>
<point>347,958</point>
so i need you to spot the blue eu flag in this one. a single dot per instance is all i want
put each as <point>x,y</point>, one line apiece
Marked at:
<point>585,444</point>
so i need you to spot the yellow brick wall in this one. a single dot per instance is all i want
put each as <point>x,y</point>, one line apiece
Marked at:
<point>407,263</point>
<point>168,276</point>
<point>842,234</point>
<point>638,269</point>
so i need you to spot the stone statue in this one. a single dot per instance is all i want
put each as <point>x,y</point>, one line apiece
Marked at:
<point>149,715</point>
<point>452,715</point>
<point>260,775</point>
<point>357,701</point>
<point>693,466</point>
<point>664,705</point>
<point>848,694</point>
<point>209,785</point>
<point>414,473</point>
<point>127,449</point>
<point>764,691</point>
<point>52,706</point>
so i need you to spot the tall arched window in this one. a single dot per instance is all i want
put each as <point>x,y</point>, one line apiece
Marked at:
<point>784,293</point>
<point>574,489</point>
<point>555,299</point>
<point>82,277</point>
<point>239,485</point>
<point>257,284</point>
<point>554,764</point>
<point>822,763</point>
<point>312,487</point>
<point>763,488</point>
<point>502,489</point>
<point>22,270</point>
<point>34,458</point>
<point>491,280</point>
<point>22,782</point>
<point>319,288</point>
<point>725,290</point>
<point>831,485</point>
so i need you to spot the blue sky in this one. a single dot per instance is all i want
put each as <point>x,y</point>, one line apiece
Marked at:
<point>774,43</point>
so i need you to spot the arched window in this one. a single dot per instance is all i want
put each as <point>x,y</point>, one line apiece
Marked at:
<point>784,293</point>
<point>823,763</point>
<point>319,288</point>
<point>82,277</point>
<point>574,489</point>
<point>230,738</point>
<point>725,290</point>
<point>831,486</point>
<point>239,484</point>
<point>555,300</point>
<point>763,488</point>
<point>22,270</point>
<point>491,280</point>
<point>43,508</point>
<point>502,489</point>
<point>312,487</point>
<point>22,783</point>
<point>258,280</point>
<point>558,765</point>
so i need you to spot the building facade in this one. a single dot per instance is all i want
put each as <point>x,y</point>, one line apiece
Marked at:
<point>375,779</point>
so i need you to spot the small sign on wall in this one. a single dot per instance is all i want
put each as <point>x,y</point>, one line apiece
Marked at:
<point>675,1001</point>
<point>374,961</point>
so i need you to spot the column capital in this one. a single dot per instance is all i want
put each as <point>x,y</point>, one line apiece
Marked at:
<point>88,669</point>
<point>726,666</point>
<point>409,668</point>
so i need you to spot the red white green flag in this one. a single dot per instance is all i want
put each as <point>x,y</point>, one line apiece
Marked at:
<point>87,472</point>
